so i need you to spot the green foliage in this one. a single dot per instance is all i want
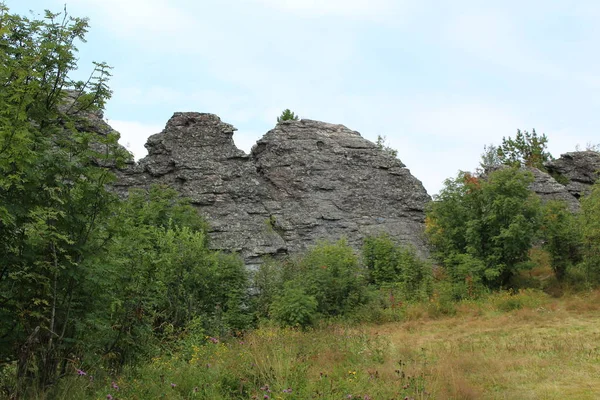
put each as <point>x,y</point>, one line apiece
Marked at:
<point>382,145</point>
<point>490,157</point>
<point>483,228</point>
<point>562,237</point>
<point>589,221</point>
<point>157,275</point>
<point>526,149</point>
<point>287,115</point>
<point>293,307</point>
<point>390,265</point>
<point>53,201</point>
<point>331,273</point>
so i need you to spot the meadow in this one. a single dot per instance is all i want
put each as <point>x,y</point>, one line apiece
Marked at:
<point>525,345</point>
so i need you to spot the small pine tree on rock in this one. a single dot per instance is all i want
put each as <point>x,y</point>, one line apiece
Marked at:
<point>287,115</point>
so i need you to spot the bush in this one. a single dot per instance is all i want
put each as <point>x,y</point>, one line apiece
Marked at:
<point>562,237</point>
<point>589,220</point>
<point>294,307</point>
<point>331,273</point>
<point>158,275</point>
<point>390,265</point>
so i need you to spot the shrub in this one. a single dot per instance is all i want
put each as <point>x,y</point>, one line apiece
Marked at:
<point>589,220</point>
<point>331,273</point>
<point>562,237</point>
<point>294,307</point>
<point>390,265</point>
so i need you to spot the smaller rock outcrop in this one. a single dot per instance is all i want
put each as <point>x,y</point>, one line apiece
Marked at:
<point>577,170</point>
<point>545,186</point>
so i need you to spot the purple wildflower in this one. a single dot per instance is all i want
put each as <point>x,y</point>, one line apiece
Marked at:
<point>214,340</point>
<point>173,385</point>
<point>109,397</point>
<point>266,396</point>
<point>114,385</point>
<point>81,372</point>
<point>288,390</point>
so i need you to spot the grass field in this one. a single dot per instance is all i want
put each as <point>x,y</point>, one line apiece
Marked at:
<point>548,351</point>
<point>524,345</point>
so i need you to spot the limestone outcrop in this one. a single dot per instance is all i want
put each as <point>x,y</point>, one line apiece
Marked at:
<point>303,181</point>
<point>577,170</point>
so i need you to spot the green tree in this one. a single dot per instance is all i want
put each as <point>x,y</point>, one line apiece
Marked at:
<point>482,229</point>
<point>526,149</point>
<point>287,115</point>
<point>53,195</point>
<point>562,237</point>
<point>589,220</point>
<point>489,158</point>
<point>156,276</point>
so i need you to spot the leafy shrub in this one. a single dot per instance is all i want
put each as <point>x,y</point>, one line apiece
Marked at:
<point>589,221</point>
<point>390,265</point>
<point>157,275</point>
<point>268,281</point>
<point>562,237</point>
<point>294,307</point>
<point>331,273</point>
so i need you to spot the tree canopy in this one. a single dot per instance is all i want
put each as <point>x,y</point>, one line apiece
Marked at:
<point>525,149</point>
<point>482,229</point>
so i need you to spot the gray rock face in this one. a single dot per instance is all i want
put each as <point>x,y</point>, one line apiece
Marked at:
<point>581,169</point>
<point>549,189</point>
<point>303,181</point>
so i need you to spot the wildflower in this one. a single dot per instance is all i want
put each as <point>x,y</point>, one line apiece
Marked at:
<point>115,386</point>
<point>288,390</point>
<point>266,396</point>
<point>349,396</point>
<point>214,340</point>
<point>367,397</point>
<point>173,385</point>
<point>109,397</point>
<point>81,372</point>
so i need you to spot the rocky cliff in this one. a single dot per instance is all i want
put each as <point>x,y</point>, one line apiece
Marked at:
<point>303,181</point>
<point>577,171</point>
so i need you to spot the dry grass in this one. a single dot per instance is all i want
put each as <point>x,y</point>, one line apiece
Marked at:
<point>547,352</point>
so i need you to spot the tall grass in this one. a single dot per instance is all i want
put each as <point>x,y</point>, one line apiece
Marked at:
<point>506,345</point>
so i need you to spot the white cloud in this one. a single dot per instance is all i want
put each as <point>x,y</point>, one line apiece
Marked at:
<point>134,135</point>
<point>347,8</point>
<point>140,17</point>
<point>496,37</point>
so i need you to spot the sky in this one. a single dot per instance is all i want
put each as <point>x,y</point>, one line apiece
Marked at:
<point>439,79</point>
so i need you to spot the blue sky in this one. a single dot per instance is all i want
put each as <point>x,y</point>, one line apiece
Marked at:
<point>440,79</point>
